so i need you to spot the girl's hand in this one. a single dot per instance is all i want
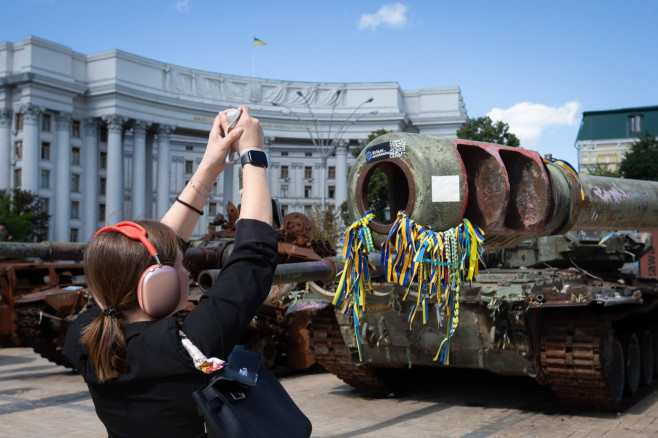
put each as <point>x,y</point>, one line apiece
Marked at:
<point>219,143</point>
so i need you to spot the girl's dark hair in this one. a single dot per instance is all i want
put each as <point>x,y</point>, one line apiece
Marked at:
<point>113,265</point>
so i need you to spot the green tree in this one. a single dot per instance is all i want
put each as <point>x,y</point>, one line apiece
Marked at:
<point>327,224</point>
<point>642,161</point>
<point>22,210</point>
<point>484,129</point>
<point>601,169</point>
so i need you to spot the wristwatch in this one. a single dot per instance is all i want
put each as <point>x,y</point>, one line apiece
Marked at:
<point>254,156</point>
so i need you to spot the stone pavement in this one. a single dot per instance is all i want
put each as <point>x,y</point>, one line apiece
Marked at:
<point>40,399</point>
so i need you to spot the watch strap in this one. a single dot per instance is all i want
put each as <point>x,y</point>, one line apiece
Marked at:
<point>254,156</point>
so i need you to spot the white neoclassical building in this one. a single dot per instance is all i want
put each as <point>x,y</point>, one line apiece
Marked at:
<point>112,136</point>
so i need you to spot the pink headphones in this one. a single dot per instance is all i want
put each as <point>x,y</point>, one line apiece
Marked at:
<point>159,289</point>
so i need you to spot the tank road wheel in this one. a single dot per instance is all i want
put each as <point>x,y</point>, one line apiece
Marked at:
<point>646,357</point>
<point>631,348</point>
<point>613,368</point>
<point>654,332</point>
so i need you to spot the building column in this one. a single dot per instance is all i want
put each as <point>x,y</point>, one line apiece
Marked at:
<point>139,170</point>
<point>5,147</point>
<point>275,186</point>
<point>148,173</point>
<point>341,172</point>
<point>267,149</point>
<point>297,180</point>
<point>30,162</point>
<point>90,192</point>
<point>114,189</point>
<point>164,169</point>
<point>319,181</point>
<point>227,194</point>
<point>61,221</point>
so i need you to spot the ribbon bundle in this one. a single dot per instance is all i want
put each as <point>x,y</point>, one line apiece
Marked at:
<point>355,279</point>
<point>569,168</point>
<point>439,261</point>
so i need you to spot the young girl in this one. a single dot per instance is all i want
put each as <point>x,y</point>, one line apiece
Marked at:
<point>140,376</point>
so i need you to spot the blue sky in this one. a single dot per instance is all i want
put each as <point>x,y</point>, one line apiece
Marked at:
<point>537,65</point>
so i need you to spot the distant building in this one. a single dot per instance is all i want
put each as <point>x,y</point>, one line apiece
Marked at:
<point>605,136</point>
<point>113,136</point>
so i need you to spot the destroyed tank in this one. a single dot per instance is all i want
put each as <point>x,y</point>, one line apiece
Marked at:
<point>551,300</point>
<point>43,289</point>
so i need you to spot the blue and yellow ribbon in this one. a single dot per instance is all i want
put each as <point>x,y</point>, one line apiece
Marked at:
<point>569,168</point>
<point>440,262</point>
<point>355,280</point>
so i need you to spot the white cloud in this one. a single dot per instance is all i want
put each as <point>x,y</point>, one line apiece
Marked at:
<point>182,5</point>
<point>394,15</point>
<point>529,121</point>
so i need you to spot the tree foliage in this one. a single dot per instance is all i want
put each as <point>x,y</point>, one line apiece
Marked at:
<point>484,129</point>
<point>642,161</point>
<point>601,169</point>
<point>22,210</point>
<point>327,224</point>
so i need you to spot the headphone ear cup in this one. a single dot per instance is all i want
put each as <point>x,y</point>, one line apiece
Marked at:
<point>158,291</point>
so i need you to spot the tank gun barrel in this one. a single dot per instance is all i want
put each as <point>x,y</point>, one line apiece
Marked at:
<point>326,269</point>
<point>512,194</point>
<point>46,251</point>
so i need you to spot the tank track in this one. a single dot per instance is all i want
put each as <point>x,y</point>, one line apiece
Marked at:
<point>334,356</point>
<point>35,332</point>
<point>583,362</point>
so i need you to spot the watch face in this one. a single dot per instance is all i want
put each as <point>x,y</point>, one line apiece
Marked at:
<point>257,158</point>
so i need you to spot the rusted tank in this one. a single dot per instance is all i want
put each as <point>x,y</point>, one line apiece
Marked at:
<point>40,297</point>
<point>552,303</point>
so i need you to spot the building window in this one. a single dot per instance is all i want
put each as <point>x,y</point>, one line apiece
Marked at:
<point>74,235</point>
<point>308,172</point>
<point>331,192</point>
<point>284,172</point>
<point>214,189</point>
<point>283,192</point>
<point>308,191</point>
<point>331,172</point>
<point>44,205</point>
<point>212,209</point>
<point>284,209</point>
<point>45,179</point>
<point>75,129</point>
<point>189,148</point>
<point>102,134</point>
<point>189,166</point>
<point>19,121</point>
<point>75,156</point>
<point>308,154</point>
<point>45,150</point>
<point>307,210</point>
<point>103,163</point>
<point>636,123</point>
<point>17,178</point>
<point>101,212</point>
<point>18,150</point>
<point>45,122</point>
<point>75,182</point>
<point>75,209</point>
<point>284,153</point>
<point>101,186</point>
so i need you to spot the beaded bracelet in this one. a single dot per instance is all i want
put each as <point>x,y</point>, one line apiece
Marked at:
<point>200,212</point>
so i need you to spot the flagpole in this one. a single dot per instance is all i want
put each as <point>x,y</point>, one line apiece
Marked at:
<point>253,60</point>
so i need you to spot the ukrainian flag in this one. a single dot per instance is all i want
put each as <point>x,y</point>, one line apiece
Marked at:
<point>258,42</point>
